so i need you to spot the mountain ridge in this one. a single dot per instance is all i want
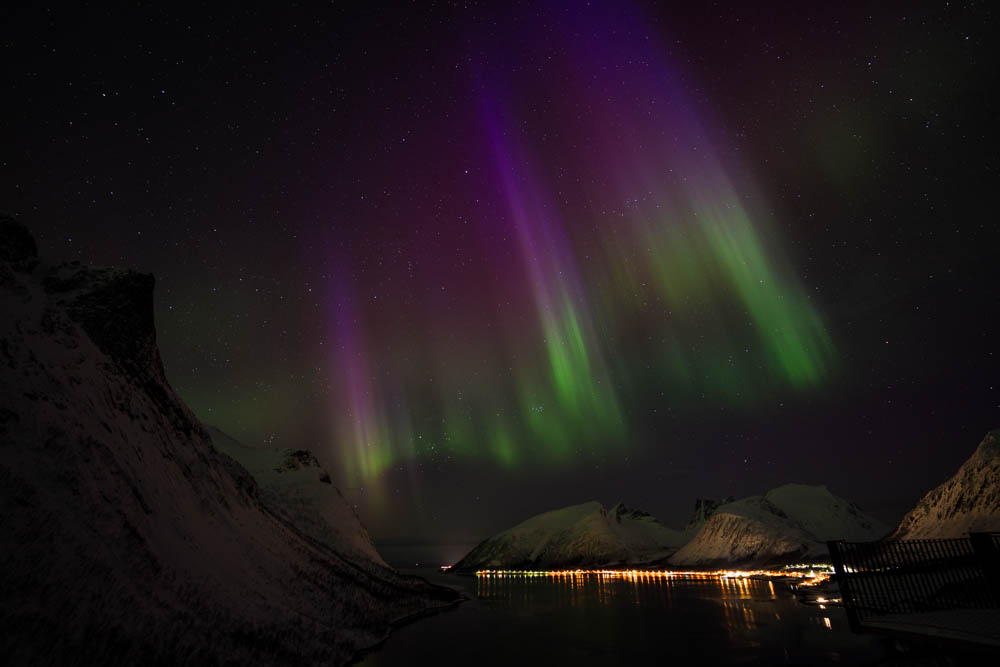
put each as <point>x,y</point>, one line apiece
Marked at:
<point>579,535</point>
<point>966,502</point>
<point>786,524</point>
<point>789,523</point>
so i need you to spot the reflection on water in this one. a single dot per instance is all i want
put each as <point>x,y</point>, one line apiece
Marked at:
<point>738,598</point>
<point>594,618</point>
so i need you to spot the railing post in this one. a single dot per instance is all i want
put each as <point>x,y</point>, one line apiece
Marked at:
<point>986,547</point>
<point>844,583</point>
<point>879,580</point>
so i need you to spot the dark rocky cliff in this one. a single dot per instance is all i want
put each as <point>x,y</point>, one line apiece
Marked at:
<point>128,538</point>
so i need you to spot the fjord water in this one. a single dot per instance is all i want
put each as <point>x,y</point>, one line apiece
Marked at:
<point>595,620</point>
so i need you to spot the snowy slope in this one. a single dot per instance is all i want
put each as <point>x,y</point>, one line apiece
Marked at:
<point>577,536</point>
<point>294,484</point>
<point>968,502</point>
<point>791,522</point>
<point>824,515</point>
<point>128,539</point>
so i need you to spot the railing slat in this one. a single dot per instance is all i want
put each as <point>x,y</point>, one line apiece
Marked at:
<point>883,578</point>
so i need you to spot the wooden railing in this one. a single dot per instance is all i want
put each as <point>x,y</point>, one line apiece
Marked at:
<point>881,579</point>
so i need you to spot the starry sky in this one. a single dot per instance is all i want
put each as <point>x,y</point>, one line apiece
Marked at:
<point>488,259</point>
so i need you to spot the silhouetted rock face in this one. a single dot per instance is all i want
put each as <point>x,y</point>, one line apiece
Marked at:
<point>17,245</point>
<point>623,511</point>
<point>968,502</point>
<point>114,307</point>
<point>128,538</point>
<point>703,508</point>
<point>297,459</point>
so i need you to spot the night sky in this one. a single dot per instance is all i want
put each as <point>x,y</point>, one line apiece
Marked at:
<point>489,260</point>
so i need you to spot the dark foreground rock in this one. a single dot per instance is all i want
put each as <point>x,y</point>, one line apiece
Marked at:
<point>128,537</point>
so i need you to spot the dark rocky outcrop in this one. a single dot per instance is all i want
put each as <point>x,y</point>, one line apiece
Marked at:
<point>703,508</point>
<point>17,245</point>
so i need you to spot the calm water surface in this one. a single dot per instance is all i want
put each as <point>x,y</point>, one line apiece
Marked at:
<point>594,620</point>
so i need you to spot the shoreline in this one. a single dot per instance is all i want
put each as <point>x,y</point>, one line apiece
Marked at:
<point>402,621</point>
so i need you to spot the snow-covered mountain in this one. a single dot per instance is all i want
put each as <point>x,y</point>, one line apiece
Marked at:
<point>789,523</point>
<point>128,538</point>
<point>968,502</point>
<point>584,535</point>
<point>292,483</point>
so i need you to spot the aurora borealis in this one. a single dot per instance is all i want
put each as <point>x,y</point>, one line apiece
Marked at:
<point>487,260</point>
<point>680,248</point>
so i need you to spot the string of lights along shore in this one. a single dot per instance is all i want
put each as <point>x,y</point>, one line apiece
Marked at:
<point>643,260</point>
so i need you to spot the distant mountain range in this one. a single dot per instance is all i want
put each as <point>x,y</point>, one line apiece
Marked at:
<point>129,537</point>
<point>790,523</point>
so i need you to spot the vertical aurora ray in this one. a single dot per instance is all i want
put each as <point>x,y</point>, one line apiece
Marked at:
<point>739,324</point>
<point>371,420</point>
<point>784,320</point>
<point>578,383</point>
<point>360,428</point>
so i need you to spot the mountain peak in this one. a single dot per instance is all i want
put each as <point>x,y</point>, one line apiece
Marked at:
<point>967,502</point>
<point>576,536</point>
<point>621,510</point>
<point>788,522</point>
<point>990,446</point>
